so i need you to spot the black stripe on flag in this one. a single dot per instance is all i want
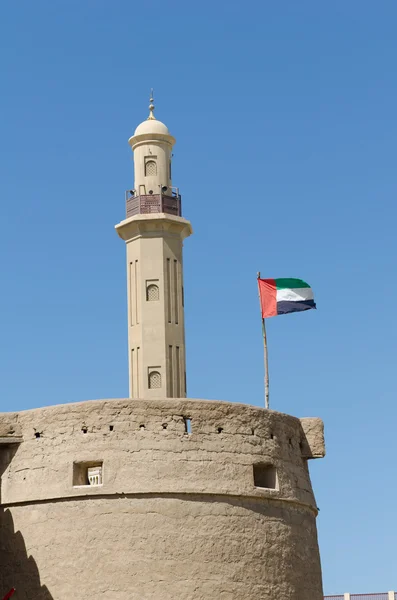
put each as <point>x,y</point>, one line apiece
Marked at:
<point>285,307</point>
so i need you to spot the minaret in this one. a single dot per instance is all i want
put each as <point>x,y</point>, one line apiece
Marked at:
<point>154,231</point>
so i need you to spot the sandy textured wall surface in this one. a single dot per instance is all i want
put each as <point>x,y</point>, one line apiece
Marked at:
<point>177,516</point>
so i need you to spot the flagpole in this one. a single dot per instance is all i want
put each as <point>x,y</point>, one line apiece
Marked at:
<point>264,348</point>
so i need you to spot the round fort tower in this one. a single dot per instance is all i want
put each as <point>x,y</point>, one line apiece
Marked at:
<point>161,497</point>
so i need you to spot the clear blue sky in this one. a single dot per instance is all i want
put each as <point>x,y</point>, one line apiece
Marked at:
<point>285,119</point>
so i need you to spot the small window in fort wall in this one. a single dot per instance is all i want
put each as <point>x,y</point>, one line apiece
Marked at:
<point>154,380</point>
<point>265,476</point>
<point>87,473</point>
<point>152,290</point>
<point>150,168</point>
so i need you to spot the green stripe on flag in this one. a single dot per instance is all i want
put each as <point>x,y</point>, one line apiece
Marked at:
<point>282,284</point>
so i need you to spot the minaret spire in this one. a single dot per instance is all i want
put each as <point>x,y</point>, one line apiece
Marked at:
<point>151,106</point>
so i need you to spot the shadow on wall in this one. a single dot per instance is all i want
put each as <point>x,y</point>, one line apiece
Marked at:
<point>17,569</point>
<point>7,453</point>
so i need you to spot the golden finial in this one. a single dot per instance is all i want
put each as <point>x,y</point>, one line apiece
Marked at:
<point>151,106</point>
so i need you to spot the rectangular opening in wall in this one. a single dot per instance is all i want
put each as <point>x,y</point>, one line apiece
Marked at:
<point>88,473</point>
<point>132,371</point>
<point>132,293</point>
<point>178,372</point>
<point>169,308</point>
<point>137,373</point>
<point>188,425</point>
<point>170,373</point>
<point>265,476</point>
<point>176,307</point>
<point>136,292</point>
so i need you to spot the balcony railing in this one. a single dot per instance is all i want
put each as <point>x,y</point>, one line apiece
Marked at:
<point>153,203</point>
<point>381,596</point>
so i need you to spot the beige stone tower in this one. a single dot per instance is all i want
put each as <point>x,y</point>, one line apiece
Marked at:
<point>154,231</point>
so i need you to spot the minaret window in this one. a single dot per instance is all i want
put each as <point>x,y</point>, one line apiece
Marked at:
<point>150,168</point>
<point>154,380</point>
<point>152,293</point>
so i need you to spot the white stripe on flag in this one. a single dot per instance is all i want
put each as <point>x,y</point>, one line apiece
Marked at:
<point>294,295</point>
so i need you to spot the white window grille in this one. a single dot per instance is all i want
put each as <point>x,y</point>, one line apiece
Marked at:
<point>87,473</point>
<point>94,475</point>
<point>150,168</point>
<point>154,380</point>
<point>152,293</point>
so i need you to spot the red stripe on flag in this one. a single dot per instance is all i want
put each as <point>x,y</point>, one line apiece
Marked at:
<point>10,593</point>
<point>268,295</point>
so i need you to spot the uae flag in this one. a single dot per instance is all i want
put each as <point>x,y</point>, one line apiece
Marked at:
<point>282,296</point>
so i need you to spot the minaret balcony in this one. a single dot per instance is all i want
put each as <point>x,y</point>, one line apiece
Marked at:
<point>153,203</point>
